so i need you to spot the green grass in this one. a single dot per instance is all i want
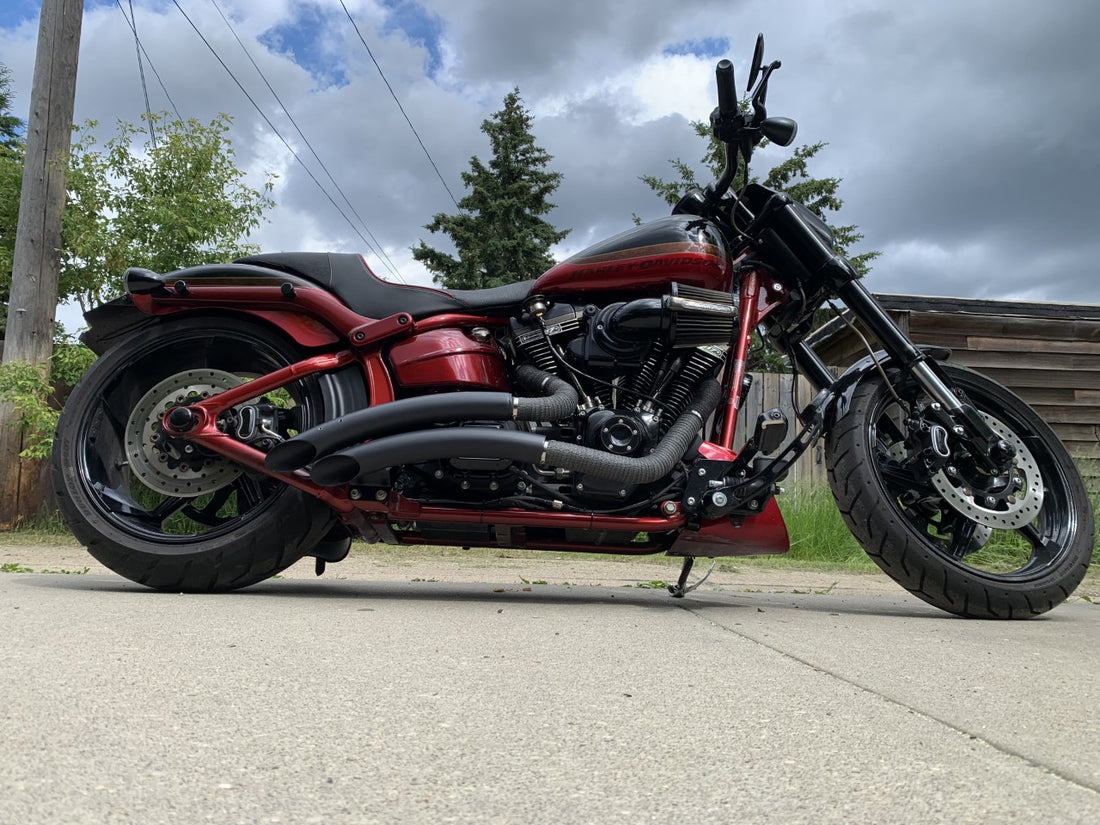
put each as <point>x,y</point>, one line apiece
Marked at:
<point>819,540</point>
<point>819,536</point>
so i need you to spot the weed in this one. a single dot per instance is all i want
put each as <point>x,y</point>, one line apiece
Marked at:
<point>14,567</point>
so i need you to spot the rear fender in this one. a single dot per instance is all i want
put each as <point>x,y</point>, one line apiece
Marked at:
<point>117,320</point>
<point>309,314</point>
<point>120,320</point>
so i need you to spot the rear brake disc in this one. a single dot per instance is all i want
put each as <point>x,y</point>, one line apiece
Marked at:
<point>164,464</point>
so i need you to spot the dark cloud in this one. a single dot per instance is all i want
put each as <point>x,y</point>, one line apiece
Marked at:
<point>963,132</point>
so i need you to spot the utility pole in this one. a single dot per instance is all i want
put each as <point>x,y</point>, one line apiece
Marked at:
<point>35,268</point>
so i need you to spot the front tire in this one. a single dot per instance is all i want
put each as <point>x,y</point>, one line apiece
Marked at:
<point>1007,547</point>
<point>158,516</point>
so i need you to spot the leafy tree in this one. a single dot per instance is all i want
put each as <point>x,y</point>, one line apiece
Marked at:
<point>11,182</point>
<point>32,391</point>
<point>499,234</point>
<point>792,176</point>
<point>180,203</point>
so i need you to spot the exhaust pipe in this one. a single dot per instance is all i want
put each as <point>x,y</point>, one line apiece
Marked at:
<point>414,413</point>
<point>478,442</point>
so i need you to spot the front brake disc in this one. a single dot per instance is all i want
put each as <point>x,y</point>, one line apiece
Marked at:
<point>998,512</point>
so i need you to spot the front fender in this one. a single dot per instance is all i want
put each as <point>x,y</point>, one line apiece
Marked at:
<point>839,395</point>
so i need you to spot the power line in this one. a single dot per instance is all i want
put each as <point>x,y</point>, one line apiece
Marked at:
<point>305,140</point>
<point>141,72</point>
<point>148,60</point>
<point>381,253</point>
<point>398,102</point>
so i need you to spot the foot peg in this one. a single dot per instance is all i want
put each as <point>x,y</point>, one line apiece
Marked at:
<point>333,547</point>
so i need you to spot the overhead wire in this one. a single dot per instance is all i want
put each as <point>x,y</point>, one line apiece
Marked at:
<point>381,253</point>
<point>141,73</point>
<point>385,258</point>
<point>393,94</point>
<point>141,47</point>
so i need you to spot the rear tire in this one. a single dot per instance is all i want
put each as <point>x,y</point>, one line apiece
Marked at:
<point>143,511</point>
<point>1006,548</point>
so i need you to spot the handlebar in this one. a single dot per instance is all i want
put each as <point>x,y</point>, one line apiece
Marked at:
<point>727,96</point>
<point>739,132</point>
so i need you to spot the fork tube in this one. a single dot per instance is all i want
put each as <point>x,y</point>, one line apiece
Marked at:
<point>750,285</point>
<point>882,326</point>
<point>895,342</point>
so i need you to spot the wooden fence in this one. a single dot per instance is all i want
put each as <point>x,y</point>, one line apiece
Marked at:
<point>775,390</point>
<point>1048,354</point>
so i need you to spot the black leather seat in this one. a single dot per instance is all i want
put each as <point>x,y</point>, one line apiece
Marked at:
<point>347,276</point>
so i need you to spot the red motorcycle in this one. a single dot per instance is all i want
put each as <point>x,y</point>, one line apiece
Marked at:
<point>245,415</point>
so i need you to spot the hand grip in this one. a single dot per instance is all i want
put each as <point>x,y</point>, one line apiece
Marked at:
<point>727,95</point>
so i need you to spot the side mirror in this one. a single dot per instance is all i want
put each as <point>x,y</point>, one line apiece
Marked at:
<point>757,61</point>
<point>779,130</point>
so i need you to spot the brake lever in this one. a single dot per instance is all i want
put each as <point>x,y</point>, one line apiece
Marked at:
<point>760,97</point>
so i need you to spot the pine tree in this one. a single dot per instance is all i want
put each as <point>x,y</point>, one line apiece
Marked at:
<point>499,234</point>
<point>791,176</point>
<point>11,127</point>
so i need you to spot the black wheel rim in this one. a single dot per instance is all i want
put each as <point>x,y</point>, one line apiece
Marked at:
<point>993,551</point>
<point>117,491</point>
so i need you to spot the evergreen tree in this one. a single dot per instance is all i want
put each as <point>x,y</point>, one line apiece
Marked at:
<point>499,233</point>
<point>11,127</point>
<point>791,176</point>
<point>11,182</point>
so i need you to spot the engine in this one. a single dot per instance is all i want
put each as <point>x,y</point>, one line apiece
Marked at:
<point>635,364</point>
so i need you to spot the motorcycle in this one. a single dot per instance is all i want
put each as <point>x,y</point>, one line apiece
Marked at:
<point>246,415</point>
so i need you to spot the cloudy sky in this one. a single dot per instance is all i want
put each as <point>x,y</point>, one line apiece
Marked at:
<point>966,132</point>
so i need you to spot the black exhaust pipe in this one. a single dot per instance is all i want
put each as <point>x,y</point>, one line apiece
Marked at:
<point>415,413</point>
<point>479,442</point>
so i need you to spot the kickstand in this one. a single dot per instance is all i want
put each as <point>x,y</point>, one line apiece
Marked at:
<point>682,588</point>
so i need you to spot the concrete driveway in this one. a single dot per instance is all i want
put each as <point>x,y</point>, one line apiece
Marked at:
<point>386,697</point>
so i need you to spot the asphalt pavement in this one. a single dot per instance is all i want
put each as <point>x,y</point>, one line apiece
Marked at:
<point>490,699</point>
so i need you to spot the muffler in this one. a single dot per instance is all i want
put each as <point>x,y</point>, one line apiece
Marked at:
<point>560,400</point>
<point>478,442</point>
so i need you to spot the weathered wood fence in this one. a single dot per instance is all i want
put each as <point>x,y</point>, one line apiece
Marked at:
<point>785,392</point>
<point>1048,354</point>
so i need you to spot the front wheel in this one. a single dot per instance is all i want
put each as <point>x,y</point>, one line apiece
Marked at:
<point>158,510</point>
<point>1008,547</point>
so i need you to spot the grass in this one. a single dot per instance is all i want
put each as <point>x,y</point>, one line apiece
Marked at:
<point>819,540</point>
<point>819,536</point>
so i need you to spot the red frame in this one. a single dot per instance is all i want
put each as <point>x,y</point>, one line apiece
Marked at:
<point>315,317</point>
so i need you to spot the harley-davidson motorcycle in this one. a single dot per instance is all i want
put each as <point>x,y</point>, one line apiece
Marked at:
<point>243,416</point>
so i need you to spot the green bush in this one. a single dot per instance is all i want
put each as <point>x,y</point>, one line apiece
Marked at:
<point>37,391</point>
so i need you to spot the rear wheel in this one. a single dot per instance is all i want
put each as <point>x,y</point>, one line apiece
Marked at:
<point>161,511</point>
<point>1009,546</point>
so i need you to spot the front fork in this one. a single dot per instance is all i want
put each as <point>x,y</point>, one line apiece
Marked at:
<point>716,487</point>
<point>955,414</point>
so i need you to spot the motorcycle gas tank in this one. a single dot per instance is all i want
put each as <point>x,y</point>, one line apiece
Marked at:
<point>682,248</point>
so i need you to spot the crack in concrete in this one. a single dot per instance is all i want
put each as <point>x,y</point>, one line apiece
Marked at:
<point>1006,749</point>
